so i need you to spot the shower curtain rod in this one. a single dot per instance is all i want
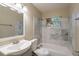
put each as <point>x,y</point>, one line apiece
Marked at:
<point>5,25</point>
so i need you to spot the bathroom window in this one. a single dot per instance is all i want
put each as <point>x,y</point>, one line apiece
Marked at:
<point>56,21</point>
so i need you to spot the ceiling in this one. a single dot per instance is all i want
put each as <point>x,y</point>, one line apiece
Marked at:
<point>46,7</point>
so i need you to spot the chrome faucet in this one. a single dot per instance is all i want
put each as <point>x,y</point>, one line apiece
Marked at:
<point>15,42</point>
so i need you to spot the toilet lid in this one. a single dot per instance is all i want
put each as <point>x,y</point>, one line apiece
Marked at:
<point>42,51</point>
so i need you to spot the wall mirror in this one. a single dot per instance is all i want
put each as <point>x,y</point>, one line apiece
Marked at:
<point>11,20</point>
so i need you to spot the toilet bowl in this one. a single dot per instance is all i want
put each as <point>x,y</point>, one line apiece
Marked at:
<point>42,52</point>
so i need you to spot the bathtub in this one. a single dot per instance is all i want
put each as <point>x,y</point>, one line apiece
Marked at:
<point>55,43</point>
<point>56,50</point>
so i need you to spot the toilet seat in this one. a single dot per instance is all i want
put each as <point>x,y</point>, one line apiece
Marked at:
<point>42,52</point>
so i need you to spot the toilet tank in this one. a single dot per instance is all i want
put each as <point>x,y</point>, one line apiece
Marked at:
<point>34,44</point>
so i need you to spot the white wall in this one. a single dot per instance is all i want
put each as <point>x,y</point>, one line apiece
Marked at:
<point>57,12</point>
<point>32,17</point>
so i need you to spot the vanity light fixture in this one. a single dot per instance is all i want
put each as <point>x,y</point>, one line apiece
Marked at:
<point>3,4</point>
<point>14,7</point>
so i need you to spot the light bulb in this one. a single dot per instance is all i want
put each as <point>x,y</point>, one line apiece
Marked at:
<point>25,9</point>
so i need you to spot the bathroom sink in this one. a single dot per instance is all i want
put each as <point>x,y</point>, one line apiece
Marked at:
<point>16,49</point>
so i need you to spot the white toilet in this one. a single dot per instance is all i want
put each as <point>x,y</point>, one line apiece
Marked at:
<point>40,51</point>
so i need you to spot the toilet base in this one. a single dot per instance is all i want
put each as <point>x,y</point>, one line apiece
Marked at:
<point>42,52</point>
